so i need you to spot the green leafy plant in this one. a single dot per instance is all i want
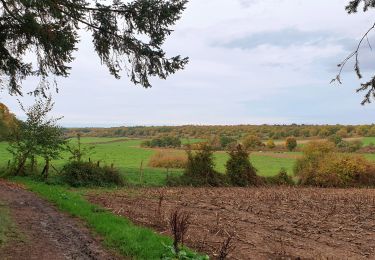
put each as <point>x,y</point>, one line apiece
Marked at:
<point>239,168</point>
<point>200,169</point>
<point>291,143</point>
<point>182,254</point>
<point>78,174</point>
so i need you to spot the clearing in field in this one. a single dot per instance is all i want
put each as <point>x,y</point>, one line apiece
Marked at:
<point>265,223</point>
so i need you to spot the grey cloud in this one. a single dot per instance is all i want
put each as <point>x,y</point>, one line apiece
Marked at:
<point>288,37</point>
<point>366,57</point>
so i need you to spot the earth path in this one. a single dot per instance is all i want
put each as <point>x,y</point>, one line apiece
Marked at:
<point>42,232</point>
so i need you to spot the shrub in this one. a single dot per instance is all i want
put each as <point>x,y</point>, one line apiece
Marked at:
<point>322,166</point>
<point>270,144</point>
<point>338,170</point>
<point>336,139</point>
<point>163,159</point>
<point>350,147</point>
<point>78,174</point>
<point>199,170</point>
<point>313,152</point>
<point>291,143</point>
<point>239,168</point>
<point>343,133</point>
<point>282,178</point>
<point>226,142</point>
<point>252,142</point>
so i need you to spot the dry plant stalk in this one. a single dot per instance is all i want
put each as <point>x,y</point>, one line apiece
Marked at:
<point>179,223</point>
<point>226,248</point>
<point>159,215</point>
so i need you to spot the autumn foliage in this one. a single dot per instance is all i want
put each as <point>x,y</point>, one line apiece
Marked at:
<point>322,166</point>
<point>7,122</point>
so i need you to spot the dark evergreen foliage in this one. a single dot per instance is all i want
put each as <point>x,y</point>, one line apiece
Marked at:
<point>80,174</point>
<point>126,35</point>
<point>199,171</point>
<point>239,168</point>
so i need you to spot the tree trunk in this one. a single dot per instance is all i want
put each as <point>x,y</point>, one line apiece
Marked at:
<point>32,164</point>
<point>21,165</point>
<point>45,171</point>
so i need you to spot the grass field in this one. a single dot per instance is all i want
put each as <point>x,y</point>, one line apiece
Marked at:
<point>368,140</point>
<point>128,156</point>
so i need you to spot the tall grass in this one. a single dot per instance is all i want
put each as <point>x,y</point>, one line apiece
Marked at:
<point>164,159</point>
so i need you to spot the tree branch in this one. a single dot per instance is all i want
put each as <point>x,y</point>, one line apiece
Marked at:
<point>353,54</point>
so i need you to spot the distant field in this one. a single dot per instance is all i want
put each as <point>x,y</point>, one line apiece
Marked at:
<point>86,140</point>
<point>127,155</point>
<point>301,142</point>
<point>368,140</point>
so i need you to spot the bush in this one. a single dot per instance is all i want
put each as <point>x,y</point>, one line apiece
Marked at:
<point>252,142</point>
<point>239,168</point>
<point>350,147</point>
<point>313,152</point>
<point>78,174</point>
<point>336,139</point>
<point>282,178</point>
<point>338,170</point>
<point>270,144</point>
<point>167,160</point>
<point>291,143</point>
<point>200,170</point>
<point>227,142</point>
<point>322,166</point>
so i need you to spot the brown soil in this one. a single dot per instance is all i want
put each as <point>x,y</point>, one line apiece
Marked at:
<point>42,232</point>
<point>266,223</point>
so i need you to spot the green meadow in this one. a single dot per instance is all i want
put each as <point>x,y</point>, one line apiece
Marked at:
<point>128,156</point>
<point>131,159</point>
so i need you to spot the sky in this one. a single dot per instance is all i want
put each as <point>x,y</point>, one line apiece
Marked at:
<point>251,62</point>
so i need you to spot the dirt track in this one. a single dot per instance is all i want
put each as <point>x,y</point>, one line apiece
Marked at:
<point>278,223</point>
<point>43,233</point>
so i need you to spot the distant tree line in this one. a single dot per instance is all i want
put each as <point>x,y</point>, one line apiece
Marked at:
<point>164,141</point>
<point>265,132</point>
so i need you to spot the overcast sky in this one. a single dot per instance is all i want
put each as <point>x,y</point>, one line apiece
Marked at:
<point>251,62</point>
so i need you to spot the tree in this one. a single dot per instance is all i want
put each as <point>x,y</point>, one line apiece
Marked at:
<point>200,169</point>
<point>239,168</point>
<point>291,143</point>
<point>369,86</point>
<point>37,136</point>
<point>7,122</point>
<point>126,35</point>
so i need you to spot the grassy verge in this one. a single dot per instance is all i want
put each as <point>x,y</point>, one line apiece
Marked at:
<point>118,233</point>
